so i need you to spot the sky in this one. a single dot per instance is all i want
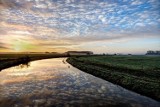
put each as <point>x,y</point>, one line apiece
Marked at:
<point>101,26</point>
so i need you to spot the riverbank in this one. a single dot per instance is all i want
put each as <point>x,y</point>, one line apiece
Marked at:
<point>9,60</point>
<point>138,73</point>
<point>51,83</point>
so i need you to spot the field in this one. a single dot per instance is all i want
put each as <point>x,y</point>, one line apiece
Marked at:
<point>12,59</point>
<point>138,73</point>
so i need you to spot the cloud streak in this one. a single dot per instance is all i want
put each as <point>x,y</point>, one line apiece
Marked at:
<point>58,23</point>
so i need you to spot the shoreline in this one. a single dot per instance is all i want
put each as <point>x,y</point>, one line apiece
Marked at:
<point>141,85</point>
<point>7,63</point>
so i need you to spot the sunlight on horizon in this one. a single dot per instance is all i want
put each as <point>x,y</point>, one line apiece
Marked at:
<point>101,26</point>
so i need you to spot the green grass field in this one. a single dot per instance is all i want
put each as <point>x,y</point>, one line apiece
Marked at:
<point>130,62</point>
<point>138,73</point>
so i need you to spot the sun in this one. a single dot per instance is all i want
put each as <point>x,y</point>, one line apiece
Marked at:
<point>20,46</point>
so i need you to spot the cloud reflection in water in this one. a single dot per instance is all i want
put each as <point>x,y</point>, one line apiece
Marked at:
<point>51,82</point>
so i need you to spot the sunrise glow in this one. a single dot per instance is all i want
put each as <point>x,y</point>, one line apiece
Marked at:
<point>102,26</point>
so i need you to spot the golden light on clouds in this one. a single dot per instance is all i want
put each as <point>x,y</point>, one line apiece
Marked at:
<point>59,25</point>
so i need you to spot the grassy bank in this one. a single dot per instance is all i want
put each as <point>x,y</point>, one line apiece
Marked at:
<point>9,60</point>
<point>138,73</point>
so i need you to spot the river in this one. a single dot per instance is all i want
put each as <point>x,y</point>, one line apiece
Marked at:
<point>53,82</point>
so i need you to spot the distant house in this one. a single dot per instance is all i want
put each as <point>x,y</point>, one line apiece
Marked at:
<point>47,52</point>
<point>129,54</point>
<point>150,52</point>
<point>79,53</point>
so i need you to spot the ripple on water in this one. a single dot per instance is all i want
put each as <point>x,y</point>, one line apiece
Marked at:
<point>51,82</point>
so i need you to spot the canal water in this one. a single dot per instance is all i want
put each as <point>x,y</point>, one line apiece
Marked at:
<point>53,82</point>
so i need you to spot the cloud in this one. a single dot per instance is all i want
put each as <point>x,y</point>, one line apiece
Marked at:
<point>53,23</point>
<point>4,46</point>
<point>136,2</point>
<point>7,3</point>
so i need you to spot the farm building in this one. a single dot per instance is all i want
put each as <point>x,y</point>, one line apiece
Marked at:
<point>79,53</point>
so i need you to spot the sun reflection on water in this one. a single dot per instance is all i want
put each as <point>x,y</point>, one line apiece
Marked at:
<point>51,82</point>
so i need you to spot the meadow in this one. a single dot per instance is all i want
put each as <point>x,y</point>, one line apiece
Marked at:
<point>13,59</point>
<point>138,73</point>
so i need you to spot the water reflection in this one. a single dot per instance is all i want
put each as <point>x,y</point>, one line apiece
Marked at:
<point>24,65</point>
<point>54,82</point>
